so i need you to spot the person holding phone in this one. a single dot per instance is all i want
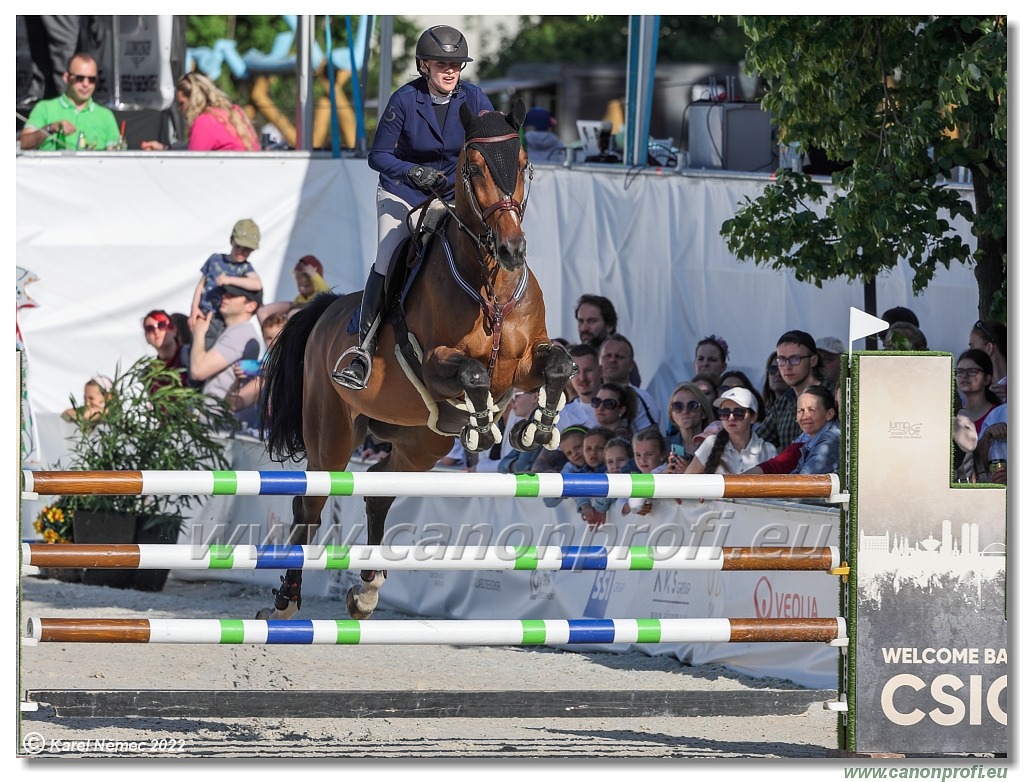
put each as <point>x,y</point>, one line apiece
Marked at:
<point>689,412</point>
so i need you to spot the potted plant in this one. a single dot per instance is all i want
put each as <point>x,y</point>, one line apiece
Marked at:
<point>150,421</point>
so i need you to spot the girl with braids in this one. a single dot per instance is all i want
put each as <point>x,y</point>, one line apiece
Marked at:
<point>214,122</point>
<point>737,447</point>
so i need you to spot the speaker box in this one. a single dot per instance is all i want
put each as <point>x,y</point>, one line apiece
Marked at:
<point>731,136</point>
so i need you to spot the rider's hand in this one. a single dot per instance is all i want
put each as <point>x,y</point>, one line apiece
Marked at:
<point>425,177</point>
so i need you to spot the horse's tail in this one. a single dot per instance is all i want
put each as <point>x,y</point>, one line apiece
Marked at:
<point>281,400</point>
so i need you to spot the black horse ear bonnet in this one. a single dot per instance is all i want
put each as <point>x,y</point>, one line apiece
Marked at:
<point>502,157</point>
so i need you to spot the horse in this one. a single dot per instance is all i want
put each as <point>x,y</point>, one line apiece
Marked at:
<point>457,341</point>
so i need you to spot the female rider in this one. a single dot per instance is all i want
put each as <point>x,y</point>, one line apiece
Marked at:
<point>416,149</point>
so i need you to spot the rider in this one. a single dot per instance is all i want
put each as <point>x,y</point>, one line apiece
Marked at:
<point>415,149</point>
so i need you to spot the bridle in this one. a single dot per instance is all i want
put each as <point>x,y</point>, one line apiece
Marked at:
<point>485,243</point>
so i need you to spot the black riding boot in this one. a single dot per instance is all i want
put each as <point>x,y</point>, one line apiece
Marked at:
<point>357,373</point>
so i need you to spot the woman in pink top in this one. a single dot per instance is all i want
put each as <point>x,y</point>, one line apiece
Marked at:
<point>214,122</point>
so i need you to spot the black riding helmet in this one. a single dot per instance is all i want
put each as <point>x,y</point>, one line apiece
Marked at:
<point>442,43</point>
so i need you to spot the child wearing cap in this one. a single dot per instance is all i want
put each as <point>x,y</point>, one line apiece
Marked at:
<point>231,268</point>
<point>737,447</point>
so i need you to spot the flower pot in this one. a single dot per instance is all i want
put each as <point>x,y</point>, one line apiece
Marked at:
<point>105,527</point>
<point>151,580</point>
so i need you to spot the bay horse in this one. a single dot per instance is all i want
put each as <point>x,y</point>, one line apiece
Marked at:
<point>468,331</point>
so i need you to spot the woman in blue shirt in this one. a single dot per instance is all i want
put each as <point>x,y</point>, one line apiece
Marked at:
<point>415,149</point>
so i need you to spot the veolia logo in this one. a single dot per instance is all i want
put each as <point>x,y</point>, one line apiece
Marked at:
<point>763,598</point>
<point>782,605</point>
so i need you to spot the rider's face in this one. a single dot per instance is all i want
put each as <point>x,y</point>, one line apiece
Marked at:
<point>442,77</point>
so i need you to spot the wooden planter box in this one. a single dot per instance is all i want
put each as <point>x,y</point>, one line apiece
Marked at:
<point>90,527</point>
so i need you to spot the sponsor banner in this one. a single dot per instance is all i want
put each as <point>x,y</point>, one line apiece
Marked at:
<point>929,665</point>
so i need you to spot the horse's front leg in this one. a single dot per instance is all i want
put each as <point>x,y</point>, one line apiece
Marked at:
<point>361,600</point>
<point>539,429</point>
<point>450,374</point>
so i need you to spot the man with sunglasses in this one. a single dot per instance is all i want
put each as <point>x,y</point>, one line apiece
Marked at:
<point>55,124</point>
<point>797,359</point>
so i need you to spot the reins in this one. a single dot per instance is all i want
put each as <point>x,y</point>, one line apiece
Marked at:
<point>494,311</point>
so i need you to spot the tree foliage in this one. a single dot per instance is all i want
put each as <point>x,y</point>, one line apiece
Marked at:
<point>605,39</point>
<point>900,101</point>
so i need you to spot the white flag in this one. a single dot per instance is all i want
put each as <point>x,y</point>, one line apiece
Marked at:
<point>864,325</point>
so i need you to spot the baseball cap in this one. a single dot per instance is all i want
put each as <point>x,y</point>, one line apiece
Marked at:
<point>234,290</point>
<point>539,118</point>
<point>246,234</point>
<point>896,314</point>
<point>709,431</point>
<point>741,396</point>
<point>830,345</point>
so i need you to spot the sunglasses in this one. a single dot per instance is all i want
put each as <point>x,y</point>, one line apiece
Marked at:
<point>607,404</point>
<point>725,413</point>
<point>678,407</point>
<point>152,328</point>
<point>980,328</point>
<point>78,78</point>
<point>791,360</point>
<point>972,372</point>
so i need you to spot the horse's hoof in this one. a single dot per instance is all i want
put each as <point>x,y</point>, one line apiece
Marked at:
<point>278,613</point>
<point>264,613</point>
<point>516,437</point>
<point>353,607</point>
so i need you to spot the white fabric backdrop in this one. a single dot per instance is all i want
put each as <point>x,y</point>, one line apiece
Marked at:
<point>111,236</point>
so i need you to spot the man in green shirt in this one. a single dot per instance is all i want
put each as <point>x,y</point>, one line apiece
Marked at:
<point>56,124</point>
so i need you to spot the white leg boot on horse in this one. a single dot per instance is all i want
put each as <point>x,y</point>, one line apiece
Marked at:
<point>356,375</point>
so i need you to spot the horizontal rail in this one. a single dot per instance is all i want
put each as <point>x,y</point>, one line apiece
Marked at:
<point>466,632</point>
<point>146,556</point>
<point>419,704</point>
<point>430,484</point>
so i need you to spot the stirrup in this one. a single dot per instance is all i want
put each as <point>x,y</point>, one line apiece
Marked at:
<point>346,378</point>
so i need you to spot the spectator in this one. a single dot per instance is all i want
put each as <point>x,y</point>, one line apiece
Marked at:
<point>618,455</point>
<point>221,269</point>
<point>734,378</point>
<point>774,386</point>
<point>689,412</point>
<point>973,378</point>
<point>58,123</point>
<point>575,449</point>
<point>245,392</point>
<point>830,350</point>
<point>578,412</point>
<point>615,408</point>
<point>711,356</point>
<point>798,361</point>
<point>990,336</point>
<point>241,339</point>
<point>708,384</point>
<point>95,394</point>
<point>416,149</point>
<point>897,314</point>
<point>512,461</point>
<point>903,335</point>
<point>816,451</point>
<point>991,452</point>
<point>650,455</point>
<point>162,334</point>
<point>214,122</point>
<point>737,447</point>
<point>542,145</point>
<point>593,509</point>
<point>309,281</point>
<point>570,450</point>
<point>596,320</point>
<point>616,357</point>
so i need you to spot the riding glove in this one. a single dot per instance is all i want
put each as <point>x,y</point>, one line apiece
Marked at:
<point>425,177</point>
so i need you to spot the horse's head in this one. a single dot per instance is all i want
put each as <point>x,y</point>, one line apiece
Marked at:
<point>493,168</point>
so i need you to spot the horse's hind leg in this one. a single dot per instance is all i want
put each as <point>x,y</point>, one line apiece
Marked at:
<point>305,523</point>
<point>539,429</point>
